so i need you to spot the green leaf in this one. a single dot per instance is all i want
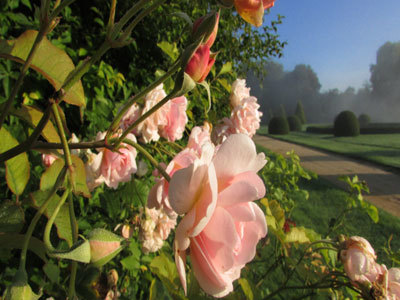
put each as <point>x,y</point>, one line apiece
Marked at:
<point>50,61</point>
<point>33,115</point>
<point>49,177</point>
<point>131,263</point>
<point>79,177</point>
<point>225,84</point>
<point>79,252</point>
<point>16,241</point>
<point>226,68</point>
<point>11,217</point>
<point>164,267</point>
<point>62,221</point>
<point>170,49</point>
<point>297,235</point>
<point>372,211</point>
<point>246,288</point>
<point>52,272</point>
<point>157,291</point>
<point>17,168</point>
<point>207,87</point>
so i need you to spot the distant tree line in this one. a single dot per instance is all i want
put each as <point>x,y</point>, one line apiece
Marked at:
<point>280,91</point>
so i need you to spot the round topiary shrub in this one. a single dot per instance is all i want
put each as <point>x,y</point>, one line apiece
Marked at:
<point>294,123</point>
<point>278,125</point>
<point>346,124</point>
<point>364,120</point>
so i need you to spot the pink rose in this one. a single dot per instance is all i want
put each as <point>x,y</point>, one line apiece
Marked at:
<point>149,127</point>
<point>130,117</point>
<point>246,118</point>
<point>176,119</point>
<point>222,225</point>
<point>198,137</point>
<point>200,63</point>
<point>239,92</point>
<point>359,262</point>
<point>252,11</point>
<point>48,159</point>
<point>112,167</point>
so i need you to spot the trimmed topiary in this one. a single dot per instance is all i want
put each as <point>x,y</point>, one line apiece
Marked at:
<point>346,124</point>
<point>300,112</point>
<point>278,125</point>
<point>294,123</point>
<point>364,120</point>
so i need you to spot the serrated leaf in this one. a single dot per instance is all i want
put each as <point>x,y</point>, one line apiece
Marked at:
<point>16,241</point>
<point>297,235</point>
<point>79,177</point>
<point>11,217</point>
<point>170,49</point>
<point>49,177</point>
<point>17,168</point>
<point>50,61</point>
<point>33,115</point>
<point>62,221</point>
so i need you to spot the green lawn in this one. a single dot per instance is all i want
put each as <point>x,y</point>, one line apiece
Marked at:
<point>379,148</point>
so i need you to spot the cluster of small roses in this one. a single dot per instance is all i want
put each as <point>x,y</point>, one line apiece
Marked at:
<point>360,264</point>
<point>168,122</point>
<point>111,167</point>
<point>245,117</point>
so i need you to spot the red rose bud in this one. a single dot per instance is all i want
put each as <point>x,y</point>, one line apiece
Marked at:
<point>207,26</point>
<point>252,11</point>
<point>210,64</point>
<point>104,246</point>
<point>200,64</point>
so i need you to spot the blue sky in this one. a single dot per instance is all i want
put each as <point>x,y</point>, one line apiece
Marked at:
<point>338,39</point>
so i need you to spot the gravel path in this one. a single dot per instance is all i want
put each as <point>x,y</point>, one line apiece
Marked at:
<point>384,186</point>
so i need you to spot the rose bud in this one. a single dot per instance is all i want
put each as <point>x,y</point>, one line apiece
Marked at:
<point>207,26</point>
<point>104,246</point>
<point>200,63</point>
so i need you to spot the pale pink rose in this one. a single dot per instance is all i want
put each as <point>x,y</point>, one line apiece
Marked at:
<point>149,127</point>
<point>158,196</point>
<point>358,259</point>
<point>130,117</point>
<point>198,137</point>
<point>176,119</point>
<point>246,117</point>
<point>394,283</point>
<point>222,225</point>
<point>155,229</point>
<point>239,92</point>
<point>112,167</point>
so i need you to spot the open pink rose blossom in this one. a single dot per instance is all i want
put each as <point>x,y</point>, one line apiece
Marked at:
<point>222,225</point>
<point>112,167</point>
<point>359,261</point>
<point>176,119</point>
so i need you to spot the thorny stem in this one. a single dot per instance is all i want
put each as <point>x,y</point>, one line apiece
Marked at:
<point>149,157</point>
<point>61,133</point>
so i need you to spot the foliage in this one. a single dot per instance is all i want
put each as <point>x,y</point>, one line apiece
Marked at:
<point>294,123</point>
<point>278,125</point>
<point>300,112</point>
<point>364,120</point>
<point>346,124</point>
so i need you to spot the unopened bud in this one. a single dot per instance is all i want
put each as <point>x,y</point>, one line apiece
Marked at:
<point>104,246</point>
<point>206,27</point>
<point>20,289</point>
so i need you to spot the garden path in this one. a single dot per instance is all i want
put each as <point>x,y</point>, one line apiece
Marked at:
<point>384,186</point>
